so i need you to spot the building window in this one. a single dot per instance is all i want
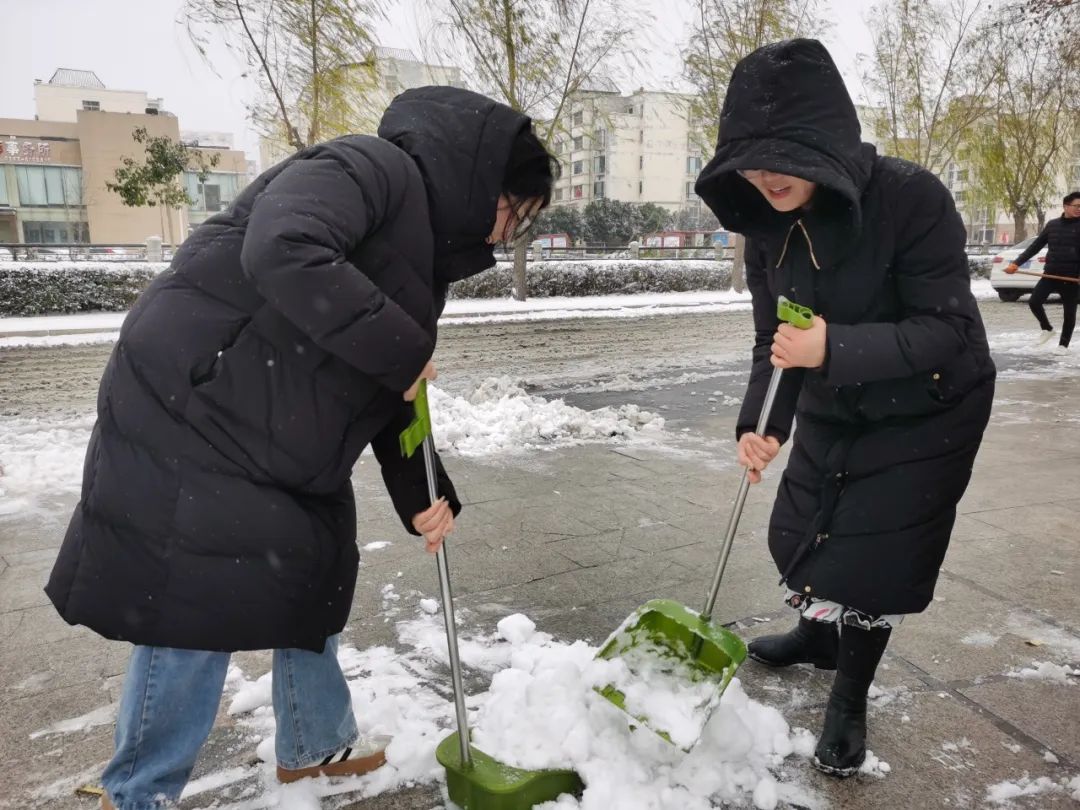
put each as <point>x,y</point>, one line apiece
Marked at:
<point>579,166</point>
<point>579,192</point>
<point>640,187</point>
<point>216,193</point>
<point>690,195</point>
<point>55,233</point>
<point>641,136</point>
<point>960,197</point>
<point>558,195</point>
<point>579,118</point>
<point>93,106</point>
<point>641,163</point>
<point>600,139</point>
<point>598,190</point>
<point>579,142</point>
<point>599,165</point>
<point>693,165</point>
<point>49,186</point>
<point>630,110</point>
<point>3,187</point>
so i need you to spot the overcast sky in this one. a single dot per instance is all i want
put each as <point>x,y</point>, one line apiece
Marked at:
<point>137,45</point>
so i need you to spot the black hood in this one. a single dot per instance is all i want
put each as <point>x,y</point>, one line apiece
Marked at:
<point>787,111</point>
<point>461,143</point>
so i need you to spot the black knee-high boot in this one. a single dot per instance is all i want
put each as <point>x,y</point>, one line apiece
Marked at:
<point>809,642</point>
<point>842,746</point>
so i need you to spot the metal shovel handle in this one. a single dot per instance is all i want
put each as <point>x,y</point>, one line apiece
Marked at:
<point>802,317</point>
<point>740,499</point>
<point>421,426</point>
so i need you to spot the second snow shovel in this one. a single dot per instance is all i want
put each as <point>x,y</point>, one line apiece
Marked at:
<point>474,780</point>
<point>669,637</point>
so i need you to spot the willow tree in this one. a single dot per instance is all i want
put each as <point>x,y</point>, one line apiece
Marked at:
<point>1025,137</point>
<point>930,68</point>
<point>310,59</point>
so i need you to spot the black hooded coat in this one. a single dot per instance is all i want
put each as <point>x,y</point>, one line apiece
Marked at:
<point>887,430</point>
<point>217,511</point>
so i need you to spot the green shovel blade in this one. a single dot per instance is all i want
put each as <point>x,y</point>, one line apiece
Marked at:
<point>671,634</point>
<point>488,784</point>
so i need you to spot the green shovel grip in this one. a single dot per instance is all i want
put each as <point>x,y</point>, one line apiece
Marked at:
<point>420,427</point>
<point>795,314</point>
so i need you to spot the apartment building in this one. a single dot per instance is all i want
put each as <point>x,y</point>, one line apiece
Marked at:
<point>633,148</point>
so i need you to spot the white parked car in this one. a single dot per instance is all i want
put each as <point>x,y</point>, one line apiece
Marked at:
<point>1011,287</point>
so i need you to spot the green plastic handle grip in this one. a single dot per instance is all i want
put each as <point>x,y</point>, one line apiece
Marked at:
<point>795,314</point>
<point>420,427</point>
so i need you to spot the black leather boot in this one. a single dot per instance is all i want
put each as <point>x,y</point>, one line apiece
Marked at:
<point>841,748</point>
<point>809,642</point>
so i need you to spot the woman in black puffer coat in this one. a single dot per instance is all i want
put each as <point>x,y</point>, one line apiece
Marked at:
<point>217,509</point>
<point>890,388</point>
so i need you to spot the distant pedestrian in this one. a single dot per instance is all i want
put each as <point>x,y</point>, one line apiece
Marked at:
<point>217,510</point>
<point>1061,238</point>
<point>890,389</point>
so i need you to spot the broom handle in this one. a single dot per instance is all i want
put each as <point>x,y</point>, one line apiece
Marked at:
<point>448,614</point>
<point>1047,275</point>
<point>740,499</point>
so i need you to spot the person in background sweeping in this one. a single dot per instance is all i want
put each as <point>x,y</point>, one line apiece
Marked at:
<point>1061,238</point>
<point>291,331</point>
<point>891,385</point>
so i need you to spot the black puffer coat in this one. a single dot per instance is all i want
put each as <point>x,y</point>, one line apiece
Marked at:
<point>1062,237</point>
<point>888,429</point>
<point>217,511</point>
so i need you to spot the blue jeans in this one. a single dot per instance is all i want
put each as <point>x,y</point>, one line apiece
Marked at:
<point>171,697</point>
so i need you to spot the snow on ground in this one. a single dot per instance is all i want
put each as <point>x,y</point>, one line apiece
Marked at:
<point>39,459</point>
<point>1046,635</point>
<point>540,711</point>
<point>980,639</point>
<point>1045,361</point>
<point>103,327</point>
<point>1046,671</point>
<point>1005,792</point>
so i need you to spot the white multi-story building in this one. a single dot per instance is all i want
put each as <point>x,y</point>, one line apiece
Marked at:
<point>634,148</point>
<point>391,71</point>
<point>69,91</point>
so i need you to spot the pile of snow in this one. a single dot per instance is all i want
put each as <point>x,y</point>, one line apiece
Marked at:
<point>1004,792</point>
<point>541,711</point>
<point>1047,671</point>
<point>499,416</point>
<point>40,460</point>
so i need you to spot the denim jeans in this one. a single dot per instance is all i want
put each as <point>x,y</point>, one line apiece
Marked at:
<point>169,702</point>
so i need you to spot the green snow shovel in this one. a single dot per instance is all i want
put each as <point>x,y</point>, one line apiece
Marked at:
<point>474,780</point>
<point>673,638</point>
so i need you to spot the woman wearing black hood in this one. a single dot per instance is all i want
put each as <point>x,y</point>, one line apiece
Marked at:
<point>290,332</point>
<point>891,386</point>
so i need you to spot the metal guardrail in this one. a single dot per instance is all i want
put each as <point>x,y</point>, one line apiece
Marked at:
<point>42,252</point>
